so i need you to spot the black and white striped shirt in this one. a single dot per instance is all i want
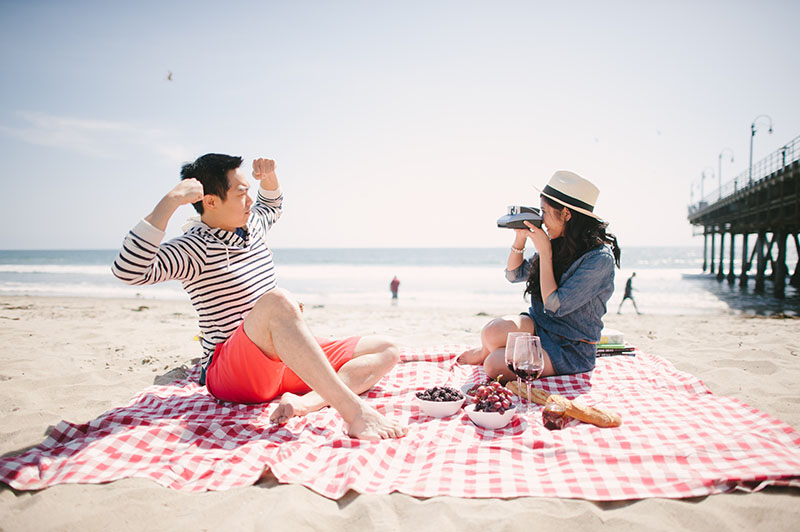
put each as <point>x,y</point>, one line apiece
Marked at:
<point>223,273</point>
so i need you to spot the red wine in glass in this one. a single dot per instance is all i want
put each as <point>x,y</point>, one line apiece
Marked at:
<point>528,372</point>
<point>528,362</point>
<point>511,340</point>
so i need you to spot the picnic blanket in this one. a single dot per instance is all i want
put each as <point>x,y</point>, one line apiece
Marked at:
<point>677,440</point>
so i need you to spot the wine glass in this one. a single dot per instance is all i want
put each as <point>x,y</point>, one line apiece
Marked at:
<point>510,344</point>
<point>528,362</point>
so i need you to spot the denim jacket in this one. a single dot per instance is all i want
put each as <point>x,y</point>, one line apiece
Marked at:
<point>571,319</point>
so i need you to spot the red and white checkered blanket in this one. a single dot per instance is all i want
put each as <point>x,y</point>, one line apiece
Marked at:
<point>677,440</point>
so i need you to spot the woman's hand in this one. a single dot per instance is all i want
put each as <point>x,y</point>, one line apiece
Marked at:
<point>520,238</point>
<point>540,241</point>
<point>547,280</point>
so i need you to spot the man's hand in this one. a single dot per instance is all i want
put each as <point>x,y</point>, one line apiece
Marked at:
<point>263,168</point>
<point>264,171</point>
<point>187,191</point>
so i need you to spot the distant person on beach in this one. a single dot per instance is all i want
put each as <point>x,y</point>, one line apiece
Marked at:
<point>629,295</point>
<point>256,344</point>
<point>394,286</point>
<point>570,279</point>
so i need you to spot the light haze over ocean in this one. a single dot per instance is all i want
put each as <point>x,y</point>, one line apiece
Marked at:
<point>668,279</point>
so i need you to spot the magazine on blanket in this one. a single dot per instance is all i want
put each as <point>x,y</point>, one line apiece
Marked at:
<point>611,337</point>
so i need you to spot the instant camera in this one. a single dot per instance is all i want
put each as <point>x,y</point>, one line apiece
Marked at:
<point>517,215</point>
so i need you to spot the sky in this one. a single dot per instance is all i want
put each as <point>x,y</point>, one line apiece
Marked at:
<point>392,123</point>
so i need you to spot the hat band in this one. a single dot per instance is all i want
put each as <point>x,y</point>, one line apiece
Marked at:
<point>550,191</point>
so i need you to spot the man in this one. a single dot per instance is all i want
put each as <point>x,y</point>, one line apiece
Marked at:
<point>394,286</point>
<point>256,344</point>
<point>628,294</point>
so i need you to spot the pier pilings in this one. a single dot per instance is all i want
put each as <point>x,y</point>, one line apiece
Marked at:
<point>769,209</point>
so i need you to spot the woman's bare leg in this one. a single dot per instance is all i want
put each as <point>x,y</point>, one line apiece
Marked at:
<point>494,335</point>
<point>495,365</point>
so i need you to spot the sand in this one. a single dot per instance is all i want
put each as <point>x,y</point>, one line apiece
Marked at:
<point>76,358</point>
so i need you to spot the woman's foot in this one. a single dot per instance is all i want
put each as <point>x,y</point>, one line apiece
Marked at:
<point>473,356</point>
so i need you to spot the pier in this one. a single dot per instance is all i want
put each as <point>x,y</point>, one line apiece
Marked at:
<point>760,208</point>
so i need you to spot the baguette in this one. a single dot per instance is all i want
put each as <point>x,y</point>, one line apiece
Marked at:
<point>587,414</point>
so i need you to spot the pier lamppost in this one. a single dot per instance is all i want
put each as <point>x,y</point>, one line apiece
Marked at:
<point>719,170</point>
<point>753,134</point>
<point>703,178</point>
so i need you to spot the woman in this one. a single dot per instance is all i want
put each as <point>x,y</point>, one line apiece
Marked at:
<point>569,279</point>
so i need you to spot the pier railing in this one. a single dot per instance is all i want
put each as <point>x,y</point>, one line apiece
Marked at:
<point>767,166</point>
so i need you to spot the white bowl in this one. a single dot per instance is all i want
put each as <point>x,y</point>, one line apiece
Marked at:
<point>490,420</point>
<point>440,409</point>
<point>466,387</point>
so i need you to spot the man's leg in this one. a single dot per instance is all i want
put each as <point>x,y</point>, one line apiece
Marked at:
<point>276,326</point>
<point>494,335</point>
<point>373,357</point>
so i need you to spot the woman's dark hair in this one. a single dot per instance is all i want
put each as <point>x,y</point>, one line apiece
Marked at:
<point>581,234</point>
<point>211,170</point>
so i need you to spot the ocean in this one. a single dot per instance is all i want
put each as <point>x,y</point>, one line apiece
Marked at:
<point>669,280</point>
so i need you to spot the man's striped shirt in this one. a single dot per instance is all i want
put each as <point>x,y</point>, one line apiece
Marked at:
<point>223,273</point>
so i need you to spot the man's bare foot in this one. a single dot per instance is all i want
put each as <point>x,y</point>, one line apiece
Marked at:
<point>473,356</point>
<point>371,425</point>
<point>290,405</point>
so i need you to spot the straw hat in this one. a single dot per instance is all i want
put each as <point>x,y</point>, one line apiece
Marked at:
<point>573,191</point>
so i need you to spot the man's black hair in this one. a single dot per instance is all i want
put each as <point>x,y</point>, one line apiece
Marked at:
<point>211,170</point>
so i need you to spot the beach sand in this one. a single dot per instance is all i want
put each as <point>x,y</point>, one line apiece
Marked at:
<point>75,358</point>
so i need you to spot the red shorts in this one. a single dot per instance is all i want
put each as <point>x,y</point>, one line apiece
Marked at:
<point>240,372</point>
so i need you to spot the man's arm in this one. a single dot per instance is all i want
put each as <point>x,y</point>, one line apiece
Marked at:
<point>269,201</point>
<point>143,259</point>
<point>264,172</point>
<point>187,191</point>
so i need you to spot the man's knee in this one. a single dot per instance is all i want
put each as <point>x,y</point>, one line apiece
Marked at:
<point>277,301</point>
<point>385,348</point>
<point>389,351</point>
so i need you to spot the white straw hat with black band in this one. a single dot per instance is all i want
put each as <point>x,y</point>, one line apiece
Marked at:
<point>573,191</point>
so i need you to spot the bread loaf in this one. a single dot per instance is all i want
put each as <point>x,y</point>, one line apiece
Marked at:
<point>587,414</point>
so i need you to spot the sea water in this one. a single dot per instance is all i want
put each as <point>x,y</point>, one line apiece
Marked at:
<point>669,280</point>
